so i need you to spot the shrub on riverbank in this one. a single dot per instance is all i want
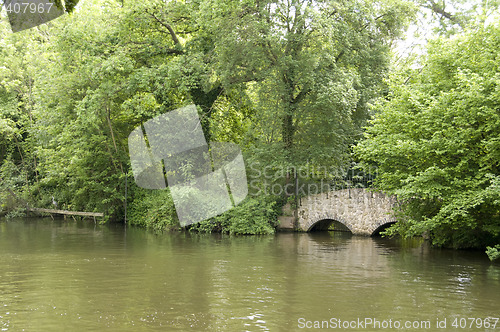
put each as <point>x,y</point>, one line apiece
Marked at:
<point>255,215</point>
<point>154,209</point>
<point>493,252</point>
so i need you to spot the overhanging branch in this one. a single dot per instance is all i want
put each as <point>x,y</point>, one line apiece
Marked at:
<point>167,26</point>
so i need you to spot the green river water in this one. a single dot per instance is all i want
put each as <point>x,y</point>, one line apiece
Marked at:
<point>78,276</point>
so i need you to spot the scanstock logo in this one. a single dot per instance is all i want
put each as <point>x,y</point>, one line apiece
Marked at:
<point>26,14</point>
<point>204,180</point>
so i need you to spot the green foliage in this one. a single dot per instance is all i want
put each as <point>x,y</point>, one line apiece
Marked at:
<point>153,209</point>
<point>449,17</point>
<point>288,81</point>
<point>17,212</point>
<point>308,68</point>
<point>436,142</point>
<point>493,252</point>
<point>255,215</point>
<point>67,5</point>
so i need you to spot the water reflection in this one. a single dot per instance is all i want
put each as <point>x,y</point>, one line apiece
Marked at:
<point>60,275</point>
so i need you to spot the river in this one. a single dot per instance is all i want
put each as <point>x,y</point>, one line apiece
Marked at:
<point>77,276</point>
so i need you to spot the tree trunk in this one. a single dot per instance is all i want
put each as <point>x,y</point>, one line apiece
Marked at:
<point>108,118</point>
<point>205,100</point>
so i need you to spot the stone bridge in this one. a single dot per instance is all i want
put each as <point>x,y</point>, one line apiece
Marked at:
<point>362,212</point>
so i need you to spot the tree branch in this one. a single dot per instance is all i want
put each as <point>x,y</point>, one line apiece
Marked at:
<point>300,96</point>
<point>337,58</point>
<point>440,10</point>
<point>162,50</point>
<point>167,26</point>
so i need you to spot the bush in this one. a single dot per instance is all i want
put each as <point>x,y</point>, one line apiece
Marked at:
<point>153,209</point>
<point>435,143</point>
<point>255,215</point>
<point>493,252</point>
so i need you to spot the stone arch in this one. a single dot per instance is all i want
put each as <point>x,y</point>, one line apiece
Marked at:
<point>382,227</point>
<point>325,224</point>
<point>327,216</point>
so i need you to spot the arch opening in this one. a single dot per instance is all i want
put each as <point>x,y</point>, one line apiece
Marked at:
<point>329,225</point>
<point>382,228</point>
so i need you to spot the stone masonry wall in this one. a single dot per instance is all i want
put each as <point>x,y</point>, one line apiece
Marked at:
<point>358,209</point>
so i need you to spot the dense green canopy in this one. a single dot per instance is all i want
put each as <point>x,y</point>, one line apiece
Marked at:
<point>436,141</point>
<point>291,82</point>
<point>288,81</point>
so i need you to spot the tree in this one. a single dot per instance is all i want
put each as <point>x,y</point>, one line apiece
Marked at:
<point>169,41</point>
<point>290,81</point>
<point>454,16</point>
<point>309,67</point>
<point>20,55</point>
<point>109,69</point>
<point>80,127</point>
<point>436,142</point>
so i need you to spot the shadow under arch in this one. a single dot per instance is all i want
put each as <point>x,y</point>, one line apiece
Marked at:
<point>382,228</point>
<point>329,225</point>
